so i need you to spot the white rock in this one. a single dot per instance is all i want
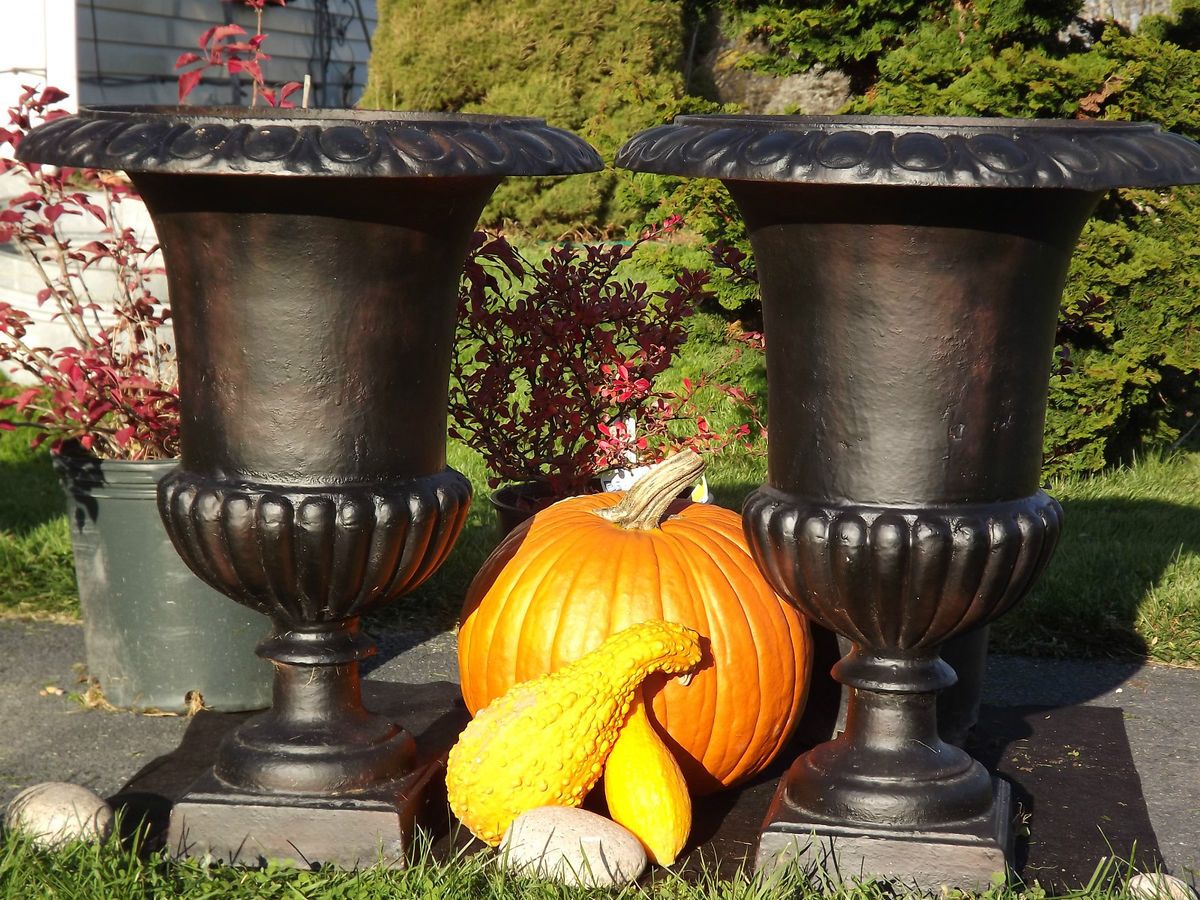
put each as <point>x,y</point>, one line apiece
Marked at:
<point>55,813</point>
<point>572,846</point>
<point>1159,886</point>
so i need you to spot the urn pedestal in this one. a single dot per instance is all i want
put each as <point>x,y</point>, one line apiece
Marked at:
<point>313,260</point>
<point>911,271</point>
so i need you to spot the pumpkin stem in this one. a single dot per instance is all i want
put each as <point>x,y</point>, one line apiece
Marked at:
<point>644,505</point>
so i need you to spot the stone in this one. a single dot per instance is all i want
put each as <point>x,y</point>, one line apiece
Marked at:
<point>813,93</point>
<point>572,846</point>
<point>1128,12</point>
<point>1159,886</point>
<point>55,813</point>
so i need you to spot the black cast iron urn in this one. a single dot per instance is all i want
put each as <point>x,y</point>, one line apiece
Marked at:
<point>313,260</point>
<point>911,271</point>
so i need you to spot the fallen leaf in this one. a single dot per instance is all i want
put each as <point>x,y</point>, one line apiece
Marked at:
<point>194,703</point>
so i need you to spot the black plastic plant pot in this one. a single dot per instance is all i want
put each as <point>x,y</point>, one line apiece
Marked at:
<point>313,260</point>
<point>911,271</point>
<point>517,503</point>
<point>156,636</point>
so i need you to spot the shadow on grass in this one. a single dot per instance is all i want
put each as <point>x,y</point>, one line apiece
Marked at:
<point>1100,595</point>
<point>30,494</point>
<point>731,494</point>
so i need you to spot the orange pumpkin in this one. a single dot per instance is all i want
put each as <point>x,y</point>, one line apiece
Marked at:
<point>588,567</point>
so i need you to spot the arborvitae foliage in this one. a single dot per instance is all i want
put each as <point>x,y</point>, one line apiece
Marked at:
<point>604,69</point>
<point>854,36</point>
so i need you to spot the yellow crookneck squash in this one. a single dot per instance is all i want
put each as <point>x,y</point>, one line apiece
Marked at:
<point>545,742</point>
<point>589,566</point>
<point>645,789</point>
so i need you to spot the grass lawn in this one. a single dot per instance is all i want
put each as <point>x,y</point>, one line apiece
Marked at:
<point>1126,578</point>
<point>37,577</point>
<point>90,873</point>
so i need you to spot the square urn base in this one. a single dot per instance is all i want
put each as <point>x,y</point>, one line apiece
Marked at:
<point>215,823</point>
<point>967,856</point>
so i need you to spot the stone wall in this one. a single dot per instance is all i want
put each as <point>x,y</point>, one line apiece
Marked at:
<point>1127,12</point>
<point>813,93</point>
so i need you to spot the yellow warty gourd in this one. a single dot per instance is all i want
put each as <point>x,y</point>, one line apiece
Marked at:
<point>645,788</point>
<point>545,742</point>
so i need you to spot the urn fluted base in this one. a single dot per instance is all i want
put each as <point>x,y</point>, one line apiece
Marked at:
<point>889,766</point>
<point>318,778</point>
<point>317,738</point>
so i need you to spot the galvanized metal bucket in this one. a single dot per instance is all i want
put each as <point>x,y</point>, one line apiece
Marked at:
<point>153,631</point>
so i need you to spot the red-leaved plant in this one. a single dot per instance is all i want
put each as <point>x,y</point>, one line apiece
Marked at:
<point>669,421</point>
<point>224,50</point>
<point>113,388</point>
<point>555,358</point>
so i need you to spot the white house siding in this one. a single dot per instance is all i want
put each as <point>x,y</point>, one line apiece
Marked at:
<point>37,47</point>
<point>127,48</point>
<point>19,281</point>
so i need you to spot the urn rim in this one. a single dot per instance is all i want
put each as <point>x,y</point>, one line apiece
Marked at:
<point>917,151</point>
<point>964,125</point>
<point>225,140</point>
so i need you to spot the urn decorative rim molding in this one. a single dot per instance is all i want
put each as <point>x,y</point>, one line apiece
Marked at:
<point>329,142</point>
<point>1076,154</point>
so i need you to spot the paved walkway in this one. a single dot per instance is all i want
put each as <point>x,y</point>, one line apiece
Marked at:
<point>51,737</point>
<point>1161,711</point>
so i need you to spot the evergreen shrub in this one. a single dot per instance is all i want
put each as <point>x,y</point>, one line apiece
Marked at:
<point>603,69</point>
